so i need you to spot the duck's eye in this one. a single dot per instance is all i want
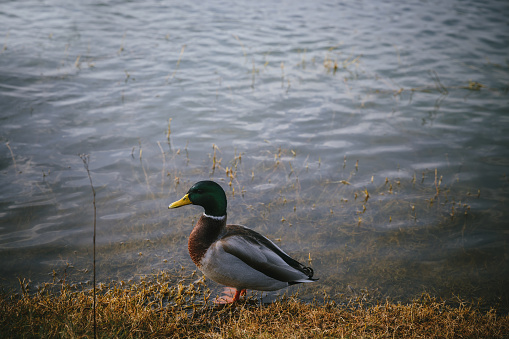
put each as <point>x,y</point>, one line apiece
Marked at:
<point>199,191</point>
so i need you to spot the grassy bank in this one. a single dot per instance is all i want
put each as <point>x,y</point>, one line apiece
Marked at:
<point>161,306</point>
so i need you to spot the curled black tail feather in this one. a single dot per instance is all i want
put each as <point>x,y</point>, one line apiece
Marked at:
<point>308,271</point>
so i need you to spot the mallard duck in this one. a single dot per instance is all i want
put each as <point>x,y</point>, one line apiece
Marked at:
<point>234,255</point>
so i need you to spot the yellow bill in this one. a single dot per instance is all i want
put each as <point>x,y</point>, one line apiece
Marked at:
<point>182,202</point>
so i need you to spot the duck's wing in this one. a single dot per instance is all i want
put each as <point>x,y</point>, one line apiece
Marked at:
<point>263,255</point>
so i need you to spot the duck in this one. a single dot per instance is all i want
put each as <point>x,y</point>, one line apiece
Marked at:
<point>234,255</point>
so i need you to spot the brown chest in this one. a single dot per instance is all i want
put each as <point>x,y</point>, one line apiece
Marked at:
<point>204,234</point>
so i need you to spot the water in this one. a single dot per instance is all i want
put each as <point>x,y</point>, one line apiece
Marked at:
<point>405,102</point>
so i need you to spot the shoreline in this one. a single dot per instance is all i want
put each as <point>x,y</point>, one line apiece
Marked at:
<point>160,307</point>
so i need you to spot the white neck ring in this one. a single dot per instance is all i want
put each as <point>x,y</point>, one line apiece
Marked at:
<point>214,217</point>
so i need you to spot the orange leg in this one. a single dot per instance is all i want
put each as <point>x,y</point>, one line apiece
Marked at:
<point>238,294</point>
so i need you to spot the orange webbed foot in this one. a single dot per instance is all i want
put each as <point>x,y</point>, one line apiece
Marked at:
<point>230,295</point>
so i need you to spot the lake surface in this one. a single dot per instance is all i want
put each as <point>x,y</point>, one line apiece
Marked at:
<point>369,139</point>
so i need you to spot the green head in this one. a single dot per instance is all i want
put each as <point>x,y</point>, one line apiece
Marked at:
<point>206,194</point>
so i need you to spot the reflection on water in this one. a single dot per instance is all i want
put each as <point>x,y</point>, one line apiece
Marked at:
<point>367,138</point>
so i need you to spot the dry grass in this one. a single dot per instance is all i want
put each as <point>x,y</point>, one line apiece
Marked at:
<point>166,306</point>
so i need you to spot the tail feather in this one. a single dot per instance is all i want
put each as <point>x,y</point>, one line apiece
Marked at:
<point>307,271</point>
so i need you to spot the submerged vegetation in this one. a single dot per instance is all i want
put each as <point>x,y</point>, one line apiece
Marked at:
<point>163,306</point>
